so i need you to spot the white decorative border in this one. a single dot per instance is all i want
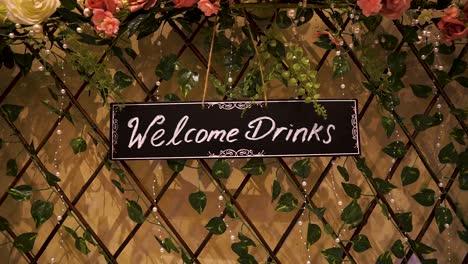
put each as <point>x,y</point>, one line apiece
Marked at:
<point>355,129</point>
<point>236,153</point>
<point>233,105</point>
<point>114,129</point>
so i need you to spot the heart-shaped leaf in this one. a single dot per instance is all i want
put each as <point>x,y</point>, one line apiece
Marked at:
<point>395,149</point>
<point>12,111</point>
<point>361,243</point>
<point>176,165</point>
<point>275,190</point>
<point>221,169</point>
<point>122,80</point>
<point>405,221</point>
<point>21,192</point>
<point>72,232</point>
<point>463,235</point>
<point>343,172</point>
<point>421,90</point>
<point>352,213</point>
<point>25,242</point>
<point>216,226</point>
<point>443,216</point>
<point>362,166</point>
<point>398,249</point>
<point>388,124</point>
<point>420,247</point>
<point>382,186</point>
<point>254,166</point>
<point>41,211</point>
<point>118,185</point>
<point>88,237</point>
<point>51,178</point>
<point>385,258</point>
<point>448,154</point>
<point>12,168</point>
<point>4,224</point>
<point>244,239</point>
<point>333,255</point>
<point>409,175</point>
<point>240,249</point>
<point>352,190</point>
<point>425,197</point>
<point>78,145</point>
<point>198,201</point>
<point>135,212</point>
<point>286,203</point>
<point>313,234</point>
<point>230,210</point>
<point>166,67</point>
<point>80,244</point>
<point>301,168</point>
<point>387,41</point>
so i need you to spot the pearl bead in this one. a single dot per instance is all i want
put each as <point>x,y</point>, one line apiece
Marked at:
<point>392,200</point>
<point>338,53</point>
<point>423,57</point>
<point>304,183</point>
<point>37,28</point>
<point>291,13</point>
<point>337,240</point>
<point>161,250</point>
<point>389,73</point>
<point>65,46</point>
<point>342,86</point>
<point>299,222</point>
<point>17,25</point>
<point>302,19</point>
<point>158,43</point>
<point>155,209</point>
<point>446,225</point>
<point>79,30</point>
<point>40,68</point>
<point>57,174</point>
<point>87,12</point>
<point>47,51</point>
<point>52,259</point>
<point>441,184</point>
<point>439,106</point>
<point>233,237</point>
<point>158,83</point>
<point>340,203</point>
<point>436,49</point>
<point>308,262</point>
<point>62,91</point>
<point>59,132</point>
<point>59,218</point>
<point>438,144</point>
<point>230,79</point>
<point>220,197</point>
<point>356,30</point>
<point>11,35</point>
<point>441,68</point>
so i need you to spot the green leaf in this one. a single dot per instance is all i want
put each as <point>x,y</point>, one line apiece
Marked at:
<point>410,34</point>
<point>333,255</point>
<point>168,245</point>
<point>448,154</point>
<point>422,122</point>
<point>301,168</point>
<point>170,97</point>
<point>135,212</point>
<point>226,20</point>
<point>51,178</point>
<point>463,235</point>
<point>385,258</point>
<point>78,145</point>
<point>382,186</point>
<point>282,20</point>
<point>118,185</point>
<point>122,80</point>
<point>325,42</point>
<point>24,62</point>
<point>446,49</point>
<point>371,22</point>
<point>72,232</point>
<point>88,237</point>
<point>130,52</point>
<point>387,41</point>
<point>186,258</point>
<point>362,167</point>
<point>421,90</point>
<point>187,80</point>
<point>313,234</point>
<point>343,172</point>
<point>25,242</point>
<point>287,202</point>
<point>389,125</point>
<point>463,81</point>
<point>12,111</point>
<point>198,201</point>
<point>396,149</point>
<point>443,216</point>
<point>247,259</point>
<point>396,62</point>
<point>352,214</point>
<point>166,67</point>
<point>12,168</point>
<point>460,113</point>
<point>395,84</point>
<point>398,249</point>
<point>426,53</point>
<point>425,197</point>
<point>459,135</point>
<point>230,210</point>
<point>340,66</point>
<point>352,190</point>
<point>21,193</point>
<point>305,13</point>
<point>429,261</point>
<point>57,111</point>
<point>221,169</point>
<point>442,77</point>
<point>80,244</point>
<point>421,248</point>
<point>405,221</point>
<point>41,211</point>
<point>275,190</point>
<point>254,166</point>
<point>244,239</point>
<point>388,100</point>
<point>176,165</point>
<point>4,224</point>
<point>240,249</point>
<point>409,175</point>
<point>216,226</point>
<point>68,4</point>
<point>120,173</point>
<point>361,243</point>
<point>458,67</point>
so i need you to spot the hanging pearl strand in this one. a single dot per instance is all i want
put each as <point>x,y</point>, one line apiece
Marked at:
<point>340,202</point>
<point>300,222</point>
<point>232,237</point>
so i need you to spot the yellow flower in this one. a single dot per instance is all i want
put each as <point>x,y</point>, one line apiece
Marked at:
<point>425,16</point>
<point>30,12</point>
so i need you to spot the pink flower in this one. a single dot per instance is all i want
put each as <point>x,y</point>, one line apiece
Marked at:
<point>106,5</point>
<point>370,7</point>
<point>394,9</point>
<point>105,22</point>
<point>452,11</point>
<point>330,36</point>
<point>451,29</point>
<point>209,8</point>
<point>135,5</point>
<point>184,3</point>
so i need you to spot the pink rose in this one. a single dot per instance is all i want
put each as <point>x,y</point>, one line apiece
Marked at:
<point>451,29</point>
<point>394,9</point>
<point>209,8</point>
<point>452,11</point>
<point>370,7</point>
<point>135,5</point>
<point>184,3</point>
<point>105,22</point>
<point>330,36</point>
<point>106,5</point>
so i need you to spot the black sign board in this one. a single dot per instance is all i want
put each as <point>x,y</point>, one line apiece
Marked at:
<point>186,130</point>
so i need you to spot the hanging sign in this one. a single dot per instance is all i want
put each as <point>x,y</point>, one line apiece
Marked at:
<point>186,130</point>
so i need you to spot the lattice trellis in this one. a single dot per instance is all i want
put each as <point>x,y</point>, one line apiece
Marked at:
<point>86,183</point>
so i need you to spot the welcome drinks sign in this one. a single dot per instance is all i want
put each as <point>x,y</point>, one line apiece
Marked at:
<point>228,129</point>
